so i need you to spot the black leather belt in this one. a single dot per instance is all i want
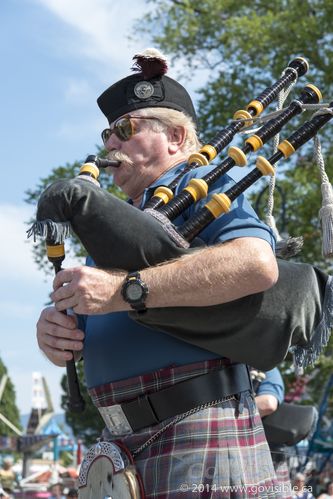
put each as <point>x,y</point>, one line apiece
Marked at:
<point>177,399</point>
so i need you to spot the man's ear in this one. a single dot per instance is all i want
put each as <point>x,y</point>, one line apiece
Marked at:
<point>176,137</point>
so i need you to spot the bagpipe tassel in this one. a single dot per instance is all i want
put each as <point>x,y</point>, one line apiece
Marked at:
<point>326,210</point>
<point>288,246</point>
<point>326,217</point>
<point>270,221</point>
<point>48,229</point>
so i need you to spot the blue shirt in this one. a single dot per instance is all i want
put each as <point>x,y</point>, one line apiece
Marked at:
<point>116,347</point>
<point>272,385</point>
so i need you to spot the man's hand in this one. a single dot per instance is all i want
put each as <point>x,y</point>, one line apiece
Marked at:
<point>58,336</point>
<point>87,290</point>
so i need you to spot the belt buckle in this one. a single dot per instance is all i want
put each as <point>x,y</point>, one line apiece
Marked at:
<point>115,420</point>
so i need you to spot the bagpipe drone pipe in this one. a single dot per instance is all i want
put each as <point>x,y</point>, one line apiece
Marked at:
<point>115,233</point>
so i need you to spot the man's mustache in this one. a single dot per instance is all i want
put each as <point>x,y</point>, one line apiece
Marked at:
<point>120,156</point>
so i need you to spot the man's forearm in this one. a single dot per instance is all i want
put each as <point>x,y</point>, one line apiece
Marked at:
<point>210,276</point>
<point>213,275</point>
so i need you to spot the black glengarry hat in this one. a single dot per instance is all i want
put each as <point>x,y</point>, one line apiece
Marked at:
<point>149,87</point>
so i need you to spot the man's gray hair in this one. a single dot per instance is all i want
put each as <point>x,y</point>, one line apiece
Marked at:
<point>169,118</point>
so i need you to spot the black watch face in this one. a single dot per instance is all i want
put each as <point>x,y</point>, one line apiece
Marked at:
<point>134,292</point>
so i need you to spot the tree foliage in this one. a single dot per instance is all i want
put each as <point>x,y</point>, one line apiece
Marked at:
<point>240,47</point>
<point>8,407</point>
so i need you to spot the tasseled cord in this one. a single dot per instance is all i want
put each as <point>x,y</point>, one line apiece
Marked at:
<point>49,230</point>
<point>326,210</point>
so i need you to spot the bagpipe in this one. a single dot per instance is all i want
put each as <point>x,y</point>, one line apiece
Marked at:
<point>114,233</point>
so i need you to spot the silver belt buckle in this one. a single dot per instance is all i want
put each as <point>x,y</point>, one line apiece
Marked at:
<point>115,420</point>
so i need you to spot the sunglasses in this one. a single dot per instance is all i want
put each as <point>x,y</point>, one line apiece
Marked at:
<point>123,128</point>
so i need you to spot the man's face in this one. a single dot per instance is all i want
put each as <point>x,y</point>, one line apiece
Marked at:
<point>144,157</point>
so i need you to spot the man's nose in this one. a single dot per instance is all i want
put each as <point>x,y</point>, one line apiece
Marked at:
<point>113,143</point>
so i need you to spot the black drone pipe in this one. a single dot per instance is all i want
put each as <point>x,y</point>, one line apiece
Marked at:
<point>198,188</point>
<point>220,203</point>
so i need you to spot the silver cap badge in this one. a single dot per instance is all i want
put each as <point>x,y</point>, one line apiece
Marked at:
<point>143,90</point>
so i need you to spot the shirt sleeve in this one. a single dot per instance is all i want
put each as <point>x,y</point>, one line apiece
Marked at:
<point>272,385</point>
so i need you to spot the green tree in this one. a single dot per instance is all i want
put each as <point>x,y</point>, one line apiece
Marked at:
<point>8,407</point>
<point>240,47</point>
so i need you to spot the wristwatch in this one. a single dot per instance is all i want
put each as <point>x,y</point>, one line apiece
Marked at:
<point>134,291</point>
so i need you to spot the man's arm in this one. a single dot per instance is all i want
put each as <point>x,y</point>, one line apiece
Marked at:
<point>267,404</point>
<point>270,392</point>
<point>209,276</point>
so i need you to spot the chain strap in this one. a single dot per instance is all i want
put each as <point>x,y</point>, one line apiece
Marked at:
<point>178,418</point>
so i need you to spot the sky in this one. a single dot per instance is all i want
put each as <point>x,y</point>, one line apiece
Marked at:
<point>57,56</point>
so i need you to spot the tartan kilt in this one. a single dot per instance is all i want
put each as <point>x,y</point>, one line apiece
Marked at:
<point>218,451</point>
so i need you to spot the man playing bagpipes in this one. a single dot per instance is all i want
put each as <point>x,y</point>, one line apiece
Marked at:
<point>198,430</point>
<point>175,396</point>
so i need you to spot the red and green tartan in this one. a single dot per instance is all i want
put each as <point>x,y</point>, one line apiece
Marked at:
<point>214,452</point>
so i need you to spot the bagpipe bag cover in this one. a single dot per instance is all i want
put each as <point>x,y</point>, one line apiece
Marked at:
<point>258,329</point>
